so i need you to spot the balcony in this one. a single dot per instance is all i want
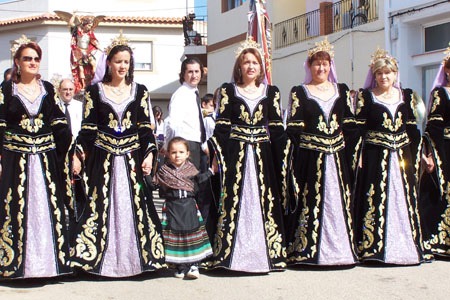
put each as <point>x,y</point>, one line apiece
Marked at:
<point>329,18</point>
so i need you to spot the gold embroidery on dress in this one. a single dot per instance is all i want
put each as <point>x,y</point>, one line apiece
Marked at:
<point>31,126</point>
<point>126,122</point>
<point>383,196</point>
<point>105,190</point>
<point>56,211</point>
<point>295,104</point>
<point>88,104</point>
<point>369,222</point>
<point>144,103</point>
<point>276,103</point>
<point>224,100</point>
<point>322,126</point>
<point>137,203</point>
<point>244,116</point>
<point>444,225</point>
<point>349,102</point>
<point>346,197</point>
<point>85,243</point>
<point>436,101</point>
<point>6,243</point>
<point>301,241</point>
<point>409,201</point>
<point>113,123</point>
<point>359,103</point>
<point>258,116</point>
<point>273,236</point>
<point>388,124</point>
<point>20,215</point>
<point>236,199</point>
<point>316,223</point>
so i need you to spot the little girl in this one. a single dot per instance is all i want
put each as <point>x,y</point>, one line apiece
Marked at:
<point>185,237</point>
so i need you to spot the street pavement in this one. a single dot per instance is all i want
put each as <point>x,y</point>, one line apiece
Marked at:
<point>427,281</point>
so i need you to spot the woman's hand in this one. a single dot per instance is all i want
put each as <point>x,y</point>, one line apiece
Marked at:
<point>76,165</point>
<point>215,165</point>
<point>429,163</point>
<point>147,164</point>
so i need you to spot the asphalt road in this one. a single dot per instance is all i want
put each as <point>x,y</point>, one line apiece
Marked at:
<point>427,281</point>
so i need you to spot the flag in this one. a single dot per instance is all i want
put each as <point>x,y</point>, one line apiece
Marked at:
<point>260,29</point>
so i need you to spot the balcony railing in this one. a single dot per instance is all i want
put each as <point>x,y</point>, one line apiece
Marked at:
<point>330,18</point>
<point>297,29</point>
<point>195,30</point>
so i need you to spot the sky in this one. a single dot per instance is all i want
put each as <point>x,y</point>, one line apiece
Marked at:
<point>200,8</point>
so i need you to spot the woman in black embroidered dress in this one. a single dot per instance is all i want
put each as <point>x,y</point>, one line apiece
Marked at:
<point>435,183</point>
<point>119,233</point>
<point>248,142</point>
<point>388,223</point>
<point>34,185</point>
<point>324,134</point>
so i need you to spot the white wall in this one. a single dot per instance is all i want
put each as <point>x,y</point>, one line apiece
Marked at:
<point>54,39</point>
<point>406,39</point>
<point>350,47</point>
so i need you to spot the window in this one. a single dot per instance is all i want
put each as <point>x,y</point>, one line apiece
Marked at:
<point>428,75</point>
<point>143,55</point>
<point>230,4</point>
<point>435,37</point>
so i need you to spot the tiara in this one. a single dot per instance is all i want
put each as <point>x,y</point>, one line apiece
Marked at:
<point>19,42</point>
<point>117,41</point>
<point>447,54</point>
<point>322,46</point>
<point>382,54</point>
<point>249,43</point>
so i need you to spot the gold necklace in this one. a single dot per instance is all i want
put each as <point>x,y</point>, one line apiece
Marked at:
<point>250,89</point>
<point>117,90</point>
<point>387,95</point>
<point>28,90</point>
<point>323,88</point>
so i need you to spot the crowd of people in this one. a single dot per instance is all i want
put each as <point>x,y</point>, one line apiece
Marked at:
<point>339,178</point>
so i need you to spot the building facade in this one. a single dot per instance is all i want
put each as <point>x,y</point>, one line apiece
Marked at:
<point>154,28</point>
<point>355,28</point>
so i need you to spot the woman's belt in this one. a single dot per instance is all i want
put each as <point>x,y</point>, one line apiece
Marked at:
<point>321,143</point>
<point>117,145</point>
<point>387,140</point>
<point>28,144</point>
<point>177,194</point>
<point>249,134</point>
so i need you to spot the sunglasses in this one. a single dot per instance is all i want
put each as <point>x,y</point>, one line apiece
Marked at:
<point>29,58</point>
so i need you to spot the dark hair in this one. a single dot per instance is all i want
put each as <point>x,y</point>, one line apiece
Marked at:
<point>190,61</point>
<point>119,48</point>
<point>178,139</point>
<point>157,109</point>
<point>207,97</point>
<point>7,71</point>
<point>321,55</point>
<point>237,76</point>
<point>32,45</point>
<point>447,64</point>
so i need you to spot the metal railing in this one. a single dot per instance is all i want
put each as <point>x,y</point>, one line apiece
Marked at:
<point>195,30</point>
<point>201,26</point>
<point>344,14</point>
<point>350,13</point>
<point>297,29</point>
